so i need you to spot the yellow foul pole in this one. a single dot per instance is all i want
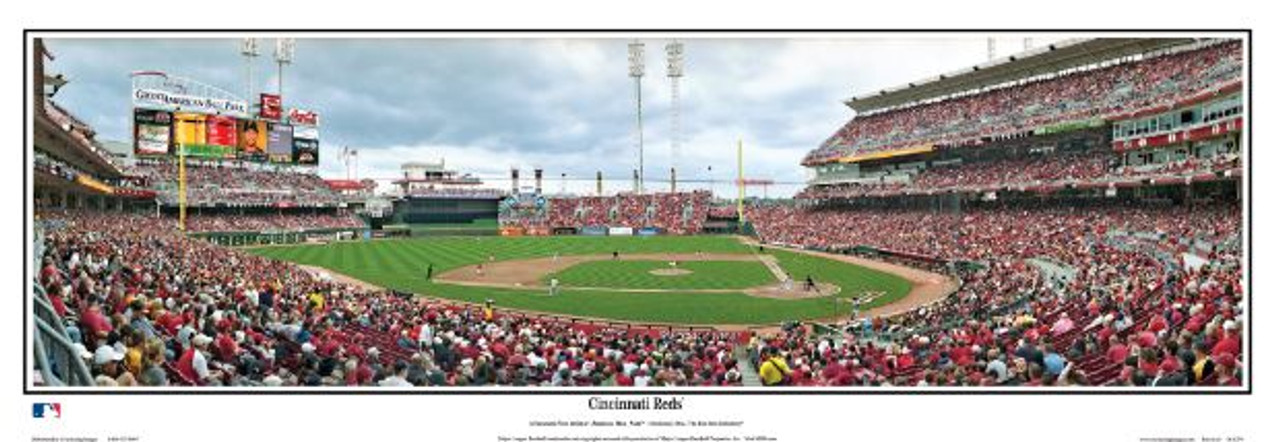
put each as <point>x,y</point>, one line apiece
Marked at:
<point>182,187</point>
<point>742,190</point>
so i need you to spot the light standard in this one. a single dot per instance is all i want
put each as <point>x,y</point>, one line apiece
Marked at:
<point>635,54</point>
<point>283,55</point>
<point>249,49</point>
<point>711,182</point>
<point>675,70</point>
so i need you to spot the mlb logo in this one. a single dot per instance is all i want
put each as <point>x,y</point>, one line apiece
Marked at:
<point>46,410</point>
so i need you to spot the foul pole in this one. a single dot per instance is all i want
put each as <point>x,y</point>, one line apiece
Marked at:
<point>182,187</point>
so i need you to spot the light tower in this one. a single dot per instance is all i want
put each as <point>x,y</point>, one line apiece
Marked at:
<point>991,49</point>
<point>351,158</point>
<point>635,54</point>
<point>675,70</point>
<point>249,49</point>
<point>1026,44</point>
<point>283,55</point>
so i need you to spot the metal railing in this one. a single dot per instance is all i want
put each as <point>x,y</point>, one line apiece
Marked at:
<point>56,356</point>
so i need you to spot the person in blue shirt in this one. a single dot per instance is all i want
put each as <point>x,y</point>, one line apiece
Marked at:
<point>1053,362</point>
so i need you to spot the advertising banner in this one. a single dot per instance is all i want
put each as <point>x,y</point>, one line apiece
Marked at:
<point>152,131</point>
<point>306,151</point>
<point>594,231</point>
<point>300,117</point>
<point>253,140</point>
<point>220,130</point>
<point>648,231</point>
<point>620,231</point>
<point>308,132</point>
<point>279,142</point>
<point>210,151</point>
<point>1070,126</point>
<point>162,100</point>
<point>269,106</point>
<point>90,182</point>
<point>188,129</point>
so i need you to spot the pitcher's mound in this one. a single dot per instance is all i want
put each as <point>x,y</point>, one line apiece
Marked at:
<point>670,272</point>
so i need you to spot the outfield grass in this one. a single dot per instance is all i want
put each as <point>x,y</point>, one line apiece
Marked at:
<point>401,265</point>
<point>717,275</point>
<point>479,226</point>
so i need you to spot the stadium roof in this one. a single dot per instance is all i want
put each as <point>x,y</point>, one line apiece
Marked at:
<point>1037,61</point>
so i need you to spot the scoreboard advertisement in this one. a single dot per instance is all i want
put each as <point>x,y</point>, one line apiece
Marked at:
<point>269,106</point>
<point>152,131</point>
<point>279,142</point>
<point>253,140</point>
<point>212,128</point>
<point>306,136</point>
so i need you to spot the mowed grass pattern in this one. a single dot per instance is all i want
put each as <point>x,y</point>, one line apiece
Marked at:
<point>402,264</point>
<point>718,275</point>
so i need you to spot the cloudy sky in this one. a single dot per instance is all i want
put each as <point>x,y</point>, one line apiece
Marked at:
<point>565,105</point>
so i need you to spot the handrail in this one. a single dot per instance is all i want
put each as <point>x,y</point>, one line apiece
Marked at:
<point>56,356</point>
<point>65,368</point>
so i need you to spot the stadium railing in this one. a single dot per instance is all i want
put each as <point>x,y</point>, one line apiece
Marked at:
<point>56,357</point>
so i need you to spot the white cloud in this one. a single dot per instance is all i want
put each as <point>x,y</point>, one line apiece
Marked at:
<point>564,105</point>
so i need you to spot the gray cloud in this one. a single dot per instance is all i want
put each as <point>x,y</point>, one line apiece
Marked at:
<point>564,105</point>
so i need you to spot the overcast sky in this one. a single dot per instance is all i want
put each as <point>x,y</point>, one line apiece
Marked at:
<point>568,106</point>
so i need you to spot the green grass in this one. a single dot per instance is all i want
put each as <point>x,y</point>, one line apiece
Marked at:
<point>478,226</point>
<point>401,265</point>
<point>718,275</point>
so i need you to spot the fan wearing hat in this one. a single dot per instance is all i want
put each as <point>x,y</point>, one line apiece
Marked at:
<point>194,363</point>
<point>106,366</point>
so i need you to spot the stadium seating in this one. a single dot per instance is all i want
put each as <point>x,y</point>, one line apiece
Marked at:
<point>1073,168</point>
<point>1132,285</point>
<point>1123,87</point>
<point>676,213</point>
<point>235,185</point>
<point>211,222</point>
<point>129,283</point>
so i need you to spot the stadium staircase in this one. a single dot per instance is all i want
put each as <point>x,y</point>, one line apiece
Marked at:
<point>750,378</point>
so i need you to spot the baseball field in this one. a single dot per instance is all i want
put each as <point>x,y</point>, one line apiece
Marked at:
<point>704,280</point>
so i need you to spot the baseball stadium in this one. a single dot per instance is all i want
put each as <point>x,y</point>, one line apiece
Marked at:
<point>1067,217</point>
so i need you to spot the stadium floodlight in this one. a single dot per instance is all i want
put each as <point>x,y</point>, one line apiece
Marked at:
<point>991,49</point>
<point>249,49</point>
<point>284,55</point>
<point>635,54</point>
<point>675,70</point>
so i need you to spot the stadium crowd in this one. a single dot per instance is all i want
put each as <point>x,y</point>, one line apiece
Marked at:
<point>1122,87</point>
<point>224,183</point>
<point>1136,312</point>
<point>226,222</point>
<point>147,306</point>
<point>677,213</point>
<point>461,193</point>
<point>1025,170</point>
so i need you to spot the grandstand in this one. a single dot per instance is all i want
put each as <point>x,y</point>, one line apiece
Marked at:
<point>1088,196</point>
<point>1079,208</point>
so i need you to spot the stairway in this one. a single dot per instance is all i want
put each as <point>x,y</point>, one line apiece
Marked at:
<point>750,378</point>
